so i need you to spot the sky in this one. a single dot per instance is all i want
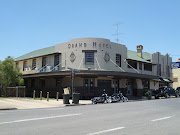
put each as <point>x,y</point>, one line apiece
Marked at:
<point>29,25</point>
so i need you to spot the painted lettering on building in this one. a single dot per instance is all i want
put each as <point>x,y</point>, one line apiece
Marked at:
<point>93,44</point>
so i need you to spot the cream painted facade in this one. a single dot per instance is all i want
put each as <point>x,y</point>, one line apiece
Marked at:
<point>103,67</point>
<point>176,78</point>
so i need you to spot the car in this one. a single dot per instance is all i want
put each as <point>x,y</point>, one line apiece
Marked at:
<point>166,91</point>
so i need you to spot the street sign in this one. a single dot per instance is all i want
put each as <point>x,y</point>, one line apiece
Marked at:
<point>175,65</point>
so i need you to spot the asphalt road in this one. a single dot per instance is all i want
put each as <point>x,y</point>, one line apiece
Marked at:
<point>153,117</point>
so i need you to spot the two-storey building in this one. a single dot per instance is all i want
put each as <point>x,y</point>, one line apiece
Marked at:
<point>102,64</point>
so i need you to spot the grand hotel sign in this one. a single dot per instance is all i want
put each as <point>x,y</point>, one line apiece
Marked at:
<point>93,44</point>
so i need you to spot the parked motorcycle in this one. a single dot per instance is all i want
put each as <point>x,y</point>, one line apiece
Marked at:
<point>123,98</point>
<point>118,97</point>
<point>115,98</point>
<point>102,99</point>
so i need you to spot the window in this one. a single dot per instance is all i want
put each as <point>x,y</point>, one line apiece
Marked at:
<point>33,64</point>
<point>148,67</point>
<point>25,66</point>
<point>89,82</point>
<point>56,60</point>
<point>43,61</point>
<point>159,69</point>
<point>89,57</point>
<point>133,64</point>
<point>86,82</point>
<point>140,66</point>
<point>168,71</point>
<point>118,60</point>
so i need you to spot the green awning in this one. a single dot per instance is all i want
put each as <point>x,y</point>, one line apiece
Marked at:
<point>166,80</point>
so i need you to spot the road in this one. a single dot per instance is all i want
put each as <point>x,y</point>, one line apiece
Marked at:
<point>153,117</point>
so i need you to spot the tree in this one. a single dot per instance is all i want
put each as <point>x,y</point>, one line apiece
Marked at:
<point>9,74</point>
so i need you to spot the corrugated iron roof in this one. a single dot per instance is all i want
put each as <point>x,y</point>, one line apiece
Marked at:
<point>37,53</point>
<point>133,56</point>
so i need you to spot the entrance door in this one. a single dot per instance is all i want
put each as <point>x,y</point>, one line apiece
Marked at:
<point>129,88</point>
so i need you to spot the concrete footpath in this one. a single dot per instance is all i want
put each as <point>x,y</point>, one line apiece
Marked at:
<point>26,103</point>
<point>29,103</point>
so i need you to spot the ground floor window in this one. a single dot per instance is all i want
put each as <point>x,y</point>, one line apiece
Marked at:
<point>89,82</point>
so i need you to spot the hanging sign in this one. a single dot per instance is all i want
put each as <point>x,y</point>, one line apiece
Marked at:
<point>175,65</point>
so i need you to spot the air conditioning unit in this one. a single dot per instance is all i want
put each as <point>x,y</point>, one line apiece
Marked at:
<point>37,70</point>
<point>29,68</point>
<point>48,68</point>
<point>56,68</point>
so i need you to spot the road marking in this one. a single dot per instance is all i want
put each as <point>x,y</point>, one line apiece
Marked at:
<point>43,118</point>
<point>163,118</point>
<point>105,131</point>
<point>54,109</point>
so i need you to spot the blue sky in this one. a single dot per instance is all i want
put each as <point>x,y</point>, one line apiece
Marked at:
<point>28,25</point>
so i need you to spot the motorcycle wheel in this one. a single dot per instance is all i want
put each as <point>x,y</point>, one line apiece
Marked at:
<point>126,99</point>
<point>109,100</point>
<point>123,99</point>
<point>166,95</point>
<point>94,102</point>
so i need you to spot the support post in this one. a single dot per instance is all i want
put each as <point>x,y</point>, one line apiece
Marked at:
<point>16,91</point>
<point>57,96</point>
<point>47,96</point>
<point>34,94</point>
<point>40,95</point>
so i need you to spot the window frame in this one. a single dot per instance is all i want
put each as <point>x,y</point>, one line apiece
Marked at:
<point>89,58</point>
<point>118,59</point>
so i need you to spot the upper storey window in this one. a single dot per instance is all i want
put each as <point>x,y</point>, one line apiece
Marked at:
<point>148,67</point>
<point>118,60</point>
<point>43,61</point>
<point>132,64</point>
<point>33,64</point>
<point>89,57</point>
<point>56,60</point>
<point>24,65</point>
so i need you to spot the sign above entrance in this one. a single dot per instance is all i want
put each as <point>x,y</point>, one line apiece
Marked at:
<point>175,65</point>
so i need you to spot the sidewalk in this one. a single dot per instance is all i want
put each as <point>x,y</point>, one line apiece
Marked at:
<point>26,103</point>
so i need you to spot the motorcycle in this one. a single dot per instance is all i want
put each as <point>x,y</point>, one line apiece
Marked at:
<point>118,97</point>
<point>115,98</point>
<point>123,98</point>
<point>102,99</point>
